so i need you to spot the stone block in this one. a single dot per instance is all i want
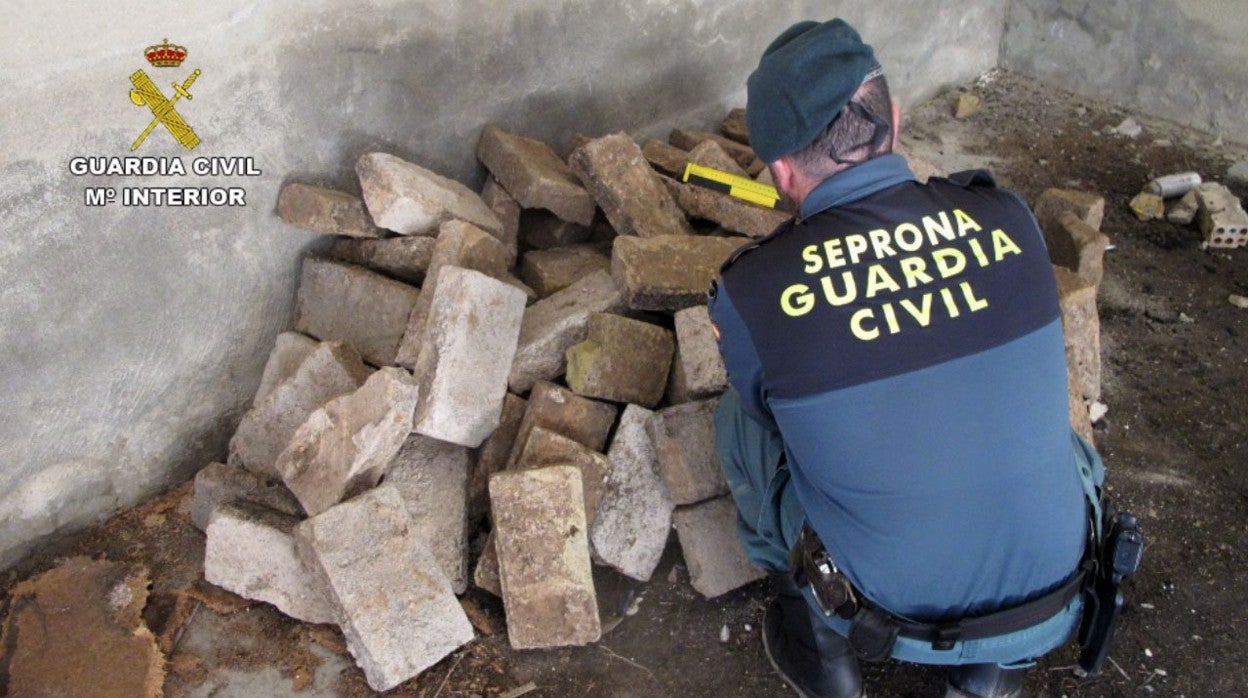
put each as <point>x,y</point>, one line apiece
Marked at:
<point>743,154</point>
<point>666,158</point>
<point>733,126</point>
<point>555,323</point>
<point>712,154</point>
<point>432,478</point>
<point>616,173</point>
<point>345,446</point>
<point>635,513</point>
<point>1080,419</point>
<point>1081,327</point>
<point>411,200</point>
<point>1184,209</point>
<point>684,443</point>
<point>459,244</point>
<point>532,173</point>
<point>1053,203</point>
<point>698,368</point>
<point>506,208</point>
<point>712,551</point>
<point>735,215</point>
<point>577,140</point>
<point>671,272</point>
<point>343,302</point>
<point>543,558</point>
<point>967,105</point>
<point>405,258</point>
<point>462,368</point>
<point>1148,206</point>
<point>218,483</point>
<point>543,231</point>
<point>562,411</point>
<point>492,456</point>
<point>289,351</point>
<point>250,551</point>
<point>622,360</point>
<point>550,271</point>
<point>1077,246</point>
<point>545,448</point>
<point>1222,218</point>
<point>330,370</point>
<point>325,211</point>
<point>485,576</point>
<point>395,607</point>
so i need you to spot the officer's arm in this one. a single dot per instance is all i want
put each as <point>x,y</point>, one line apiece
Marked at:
<point>745,369</point>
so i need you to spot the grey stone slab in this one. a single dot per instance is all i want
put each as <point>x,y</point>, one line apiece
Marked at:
<point>622,360</point>
<point>672,272</point>
<point>325,211</point>
<point>432,478</point>
<point>635,513</point>
<point>219,483</point>
<point>492,456</point>
<point>698,369</point>
<point>345,446</point>
<point>395,607</point>
<point>473,327</point>
<point>713,553</point>
<point>555,323</point>
<point>543,558</point>
<point>250,551</point>
<point>616,172</point>
<point>348,303</point>
<point>684,442</point>
<point>405,258</point>
<point>551,271</point>
<point>531,172</point>
<point>289,351</point>
<point>555,408</point>
<point>411,200</point>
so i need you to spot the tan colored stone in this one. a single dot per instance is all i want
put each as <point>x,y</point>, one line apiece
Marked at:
<point>733,214</point>
<point>711,154</point>
<point>670,272</point>
<point>289,351</point>
<point>734,126</point>
<point>219,483</point>
<point>1090,207</point>
<point>667,158</point>
<point>325,211</point>
<point>411,200</point>
<point>343,302</point>
<point>545,448</point>
<point>1148,206</point>
<point>688,140</point>
<point>622,360</point>
<point>551,271</point>
<point>1078,247</point>
<point>505,206</point>
<point>1081,328</point>
<point>405,258</point>
<point>492,456</point>
<point>684,442</point>
<point>698,368</point>
<point>557,409</point>
<point>532,173</point>
<point>614,170</point>
<point>967,105</point>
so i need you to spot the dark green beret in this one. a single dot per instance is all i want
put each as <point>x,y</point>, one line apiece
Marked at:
<point>804,79</point>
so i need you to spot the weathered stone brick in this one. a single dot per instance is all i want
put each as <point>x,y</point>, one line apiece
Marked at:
<point>733,126</point>
<point>1184,209</point>
<point>219,483</point>
<point>492,456</point>
<point>711,154</point>
<point>667,158</point>
<point>713,553</point>
<point>531,172</point>
<point>345,447</point>
<point>325,211</point>
<point>614,170</point>
<point>698,368</point>
<point>1053,203</point>
<point>635,513</point>
<point>506,208</point>
<point>395,606</point>
<point>432,478</point>
<point>1080,419</point>
<point>670,272</point>
<point>330,370</point>
<point>555,323</point>
<point>543,558</point>
<point>562,411</point>
<point>733,214</point>
<point>1081,327</point>
<point>544,231</point>
<point>550,271</point>
<point>405,258</point>
<point>250,551</point>
<point>577,140</point>
<point>684,442</point>
<point>545,448</point>
<point>1078,246</point>
<point>462,368</point>
<point>343,302</point>
<point>622,360</point>
<point>411,200</point>
<point>743,154</point>
<point>289,351</point>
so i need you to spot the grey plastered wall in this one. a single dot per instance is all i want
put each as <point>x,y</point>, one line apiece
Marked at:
<point>1185,60</point>
<point>134,338</point>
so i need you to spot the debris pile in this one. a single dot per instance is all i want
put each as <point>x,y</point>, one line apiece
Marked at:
<point>1218,212</point>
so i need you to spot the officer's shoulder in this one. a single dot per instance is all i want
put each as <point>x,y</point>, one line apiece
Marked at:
<point>969,178</point>
<point>755,245</point>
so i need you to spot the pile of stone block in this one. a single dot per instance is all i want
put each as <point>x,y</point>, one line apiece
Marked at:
<point>1185,198</point>
<point>531,367</point>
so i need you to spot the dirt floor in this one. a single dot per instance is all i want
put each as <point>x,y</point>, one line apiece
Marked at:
<point>1175,442</point>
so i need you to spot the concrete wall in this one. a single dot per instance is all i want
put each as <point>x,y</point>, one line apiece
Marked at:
<point>1185,60</point>
<point>133,338</point>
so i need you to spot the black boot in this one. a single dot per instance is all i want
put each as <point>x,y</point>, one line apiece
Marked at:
<point>984,681</point>
<point>807,654</point>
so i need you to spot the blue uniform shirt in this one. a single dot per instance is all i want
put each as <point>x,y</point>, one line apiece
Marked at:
<point>906,342</point>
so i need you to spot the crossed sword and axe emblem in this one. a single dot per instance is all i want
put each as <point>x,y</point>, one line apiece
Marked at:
<point>145,92</point>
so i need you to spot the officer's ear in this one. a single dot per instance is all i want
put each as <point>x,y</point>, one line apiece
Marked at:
<point>782,174</point>
<point>896,123</point>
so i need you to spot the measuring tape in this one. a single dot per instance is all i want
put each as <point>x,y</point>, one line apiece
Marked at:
<point>732,185</point>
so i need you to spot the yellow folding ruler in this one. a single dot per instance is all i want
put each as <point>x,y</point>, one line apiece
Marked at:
<point>732,185</point>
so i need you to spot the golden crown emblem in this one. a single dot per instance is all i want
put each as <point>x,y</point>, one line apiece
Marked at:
<point>165,55</point>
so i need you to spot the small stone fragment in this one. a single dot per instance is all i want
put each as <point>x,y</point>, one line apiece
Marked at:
<point>735,215</point>
<point>289,351</point>
<point>622,360</point>
<point>1238,173</point>
<point>1222,218</point>
<point>485,576</point>
<point>1129,128</point>
<point>532,173</point>
<point>325,211</point>
<point>411,200</point>
<point>1097,411</point>
<point>345,447</point>
<point>550,271</point>
<point>1237,300</point>
<point>1184,210</point>
<point>698,368</point>
<point>712,551</point>
<point>218,483</point>
<point>543,556</point>
<point>405,258</point>
<point>492,456</point>
<point>967,105</point>
<point>557,409</point>
<point>670,272</point>
<point>711,154</point>
<point>733,126</point>
<point>684,442</point>
<point>667,158</point>
<point>1148,206</point>
<point>635,514</point>
<point>506,208</point>
<point>1082,331</point>
<point>396,608</point>
<point>555,323</point>
<point>614,170</point>
<point>432,478</point>
<point>1053,203</point>
<point>545,448</point>
<point>250,551</point>
<point>343,302</point>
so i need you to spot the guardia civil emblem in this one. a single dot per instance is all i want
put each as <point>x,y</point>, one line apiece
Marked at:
<point>146,94</point>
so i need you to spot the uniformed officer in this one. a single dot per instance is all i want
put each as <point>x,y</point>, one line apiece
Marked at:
<point>896,436</point>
